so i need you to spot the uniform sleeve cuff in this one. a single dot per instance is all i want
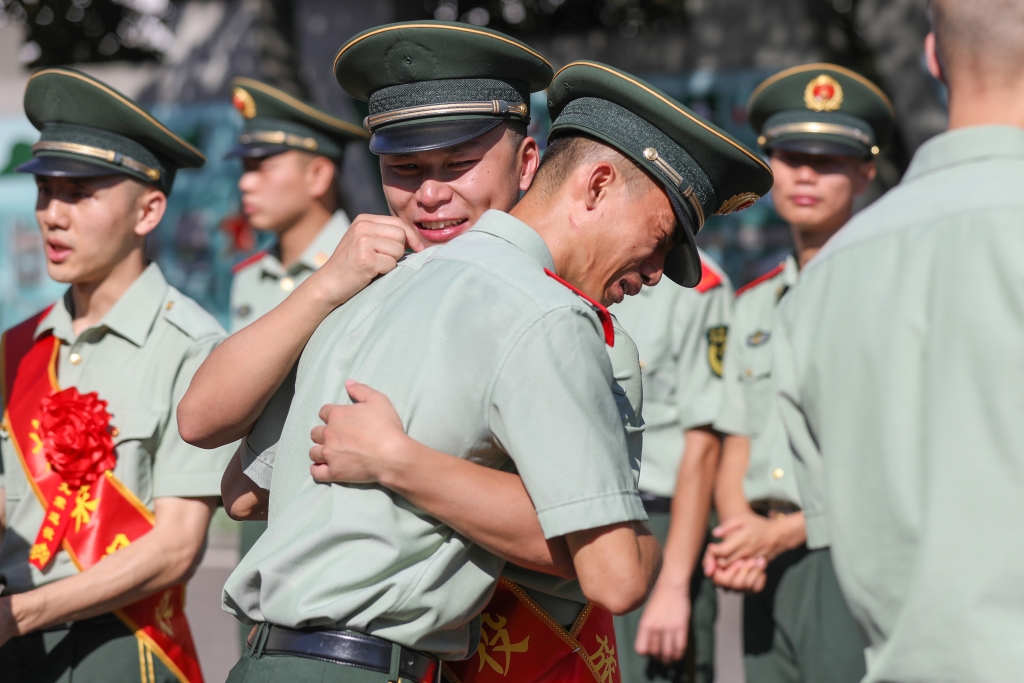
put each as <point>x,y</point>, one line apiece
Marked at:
<point>697,418</point>
<point>728,426</point>
<point>592,512</point>
<point>258,468</point>
<point>818,535</point>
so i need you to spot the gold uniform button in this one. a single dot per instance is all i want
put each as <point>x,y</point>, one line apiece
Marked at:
<point>320,258</point>
<point>75,358</point>
<point>169,305</point>
<point>287,284</point>
<point>750,373</point>
<point>114,431</point>
<point>777,473</point>
<point>643,364</point>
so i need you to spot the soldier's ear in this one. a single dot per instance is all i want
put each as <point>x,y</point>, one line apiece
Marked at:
<point>150,205</point>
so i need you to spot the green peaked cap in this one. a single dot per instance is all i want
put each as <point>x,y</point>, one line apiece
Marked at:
<point>91,129</point>
<point>703,169</point>
<point>435,84</point>
<point>276,122</point>
<point>821,109</point>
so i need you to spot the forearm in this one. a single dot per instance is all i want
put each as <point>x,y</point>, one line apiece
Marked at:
<point>165,556</point>
<point>488,506</point>
<point>690,507</point>
<point>616,564</point>
<point>730,500</point>
<point>233,385</point>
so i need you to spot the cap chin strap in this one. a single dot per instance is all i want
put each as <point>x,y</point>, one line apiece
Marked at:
<point>815,127</point>
<point>492,107</point>
<point>108,155</point>
<point>279,138</point>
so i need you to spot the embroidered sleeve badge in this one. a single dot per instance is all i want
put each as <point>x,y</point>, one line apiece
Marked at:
<point>716,348</point>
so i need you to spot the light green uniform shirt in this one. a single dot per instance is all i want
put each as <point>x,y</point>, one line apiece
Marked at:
<point>900,369</point>
<point>748,404</point>
<point>484,357</point>
<point>562,598</point>
<point>140,359</point>
<point>258,287</point>
<point>680,333</point>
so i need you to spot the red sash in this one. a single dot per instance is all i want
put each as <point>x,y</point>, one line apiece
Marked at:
<point>93,520</point>
<point>519,641</point>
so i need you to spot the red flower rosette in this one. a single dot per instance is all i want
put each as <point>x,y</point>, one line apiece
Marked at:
<point>75,431</point>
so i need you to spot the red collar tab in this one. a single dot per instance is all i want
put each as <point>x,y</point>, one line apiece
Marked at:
<point>246,262</point>
<point>767,276</point>
<point>602,313</point>
<point>709,279</point>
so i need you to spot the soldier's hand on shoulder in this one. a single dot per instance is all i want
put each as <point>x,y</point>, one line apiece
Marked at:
<point>372,246</point>
<point>357,442</point>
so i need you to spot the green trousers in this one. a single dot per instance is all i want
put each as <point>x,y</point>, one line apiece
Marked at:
<point>257,667</point>
<point>799,629</point>
<point>698,665</point>
<point>100,650</point>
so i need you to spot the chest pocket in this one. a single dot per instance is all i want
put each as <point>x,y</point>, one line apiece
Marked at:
<point>136,441</point>
<point>757,384</point>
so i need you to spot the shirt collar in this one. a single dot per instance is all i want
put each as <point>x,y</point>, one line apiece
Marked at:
<point>317,253</point>
<point>515,232</point>
<point>131,316</point>
<point>790,271</point>
<point>965,146</point>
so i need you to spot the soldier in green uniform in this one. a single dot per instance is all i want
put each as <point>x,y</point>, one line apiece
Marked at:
<point>511,235</point>
<point>821,126</point>
<point>106,508</point>
<point>681,335</point>
<point>898,357</point>
<point>292,154</point>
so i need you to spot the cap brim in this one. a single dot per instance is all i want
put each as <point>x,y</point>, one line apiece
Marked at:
<point>818,145</point>
<point>255,151</point>
<point>430,135</point>
<point>64,167</point>
<point>682,263</point>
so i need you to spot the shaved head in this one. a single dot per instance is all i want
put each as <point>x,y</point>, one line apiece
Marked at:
<point>980,38</point>
<point>567,153</point>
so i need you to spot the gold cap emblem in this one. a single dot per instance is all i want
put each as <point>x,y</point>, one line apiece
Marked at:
<point>823,94</point>
<point>737,202</point>
<point>244,102</point>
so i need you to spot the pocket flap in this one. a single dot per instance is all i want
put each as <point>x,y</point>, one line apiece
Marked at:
<point>134,424</point>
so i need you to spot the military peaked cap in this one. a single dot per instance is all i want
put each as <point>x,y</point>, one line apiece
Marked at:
<point>821,109</point>
<point>90,129</point>
<point>276,122</point>
<point>703,169</point>
<point>435,84</point>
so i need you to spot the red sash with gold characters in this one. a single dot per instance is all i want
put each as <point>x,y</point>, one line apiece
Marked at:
<point>65,443</point>
<point>519,641</point>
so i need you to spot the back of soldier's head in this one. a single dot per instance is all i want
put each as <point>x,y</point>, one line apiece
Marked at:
<point>980,39</point>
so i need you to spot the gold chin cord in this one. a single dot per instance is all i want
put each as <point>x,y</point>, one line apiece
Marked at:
<point>492,107</point>
<point>108,155</point>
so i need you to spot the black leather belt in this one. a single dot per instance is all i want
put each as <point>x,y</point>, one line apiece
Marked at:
<point>653,503</point>
<point>352,649</point>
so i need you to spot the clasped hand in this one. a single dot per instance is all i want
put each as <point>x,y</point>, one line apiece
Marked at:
<point>358,443</point>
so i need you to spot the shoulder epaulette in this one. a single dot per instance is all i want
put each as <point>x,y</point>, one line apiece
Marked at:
<point>602,313</point>
<point>246,262</point>
<point>709,278</point>
<point>767,276</point>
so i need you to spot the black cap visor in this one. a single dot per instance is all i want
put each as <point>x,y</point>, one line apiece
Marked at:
<point>257,150</point>
<point>820,145</point>
<point>430,135</point>
<point>65,167</point>
<point>682,263</point>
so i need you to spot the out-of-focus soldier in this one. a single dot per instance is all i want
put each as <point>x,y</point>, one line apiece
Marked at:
<point>821,126</point>
<point>898,362</point>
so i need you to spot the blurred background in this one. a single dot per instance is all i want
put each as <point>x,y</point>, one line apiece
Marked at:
<point>177,57</point>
